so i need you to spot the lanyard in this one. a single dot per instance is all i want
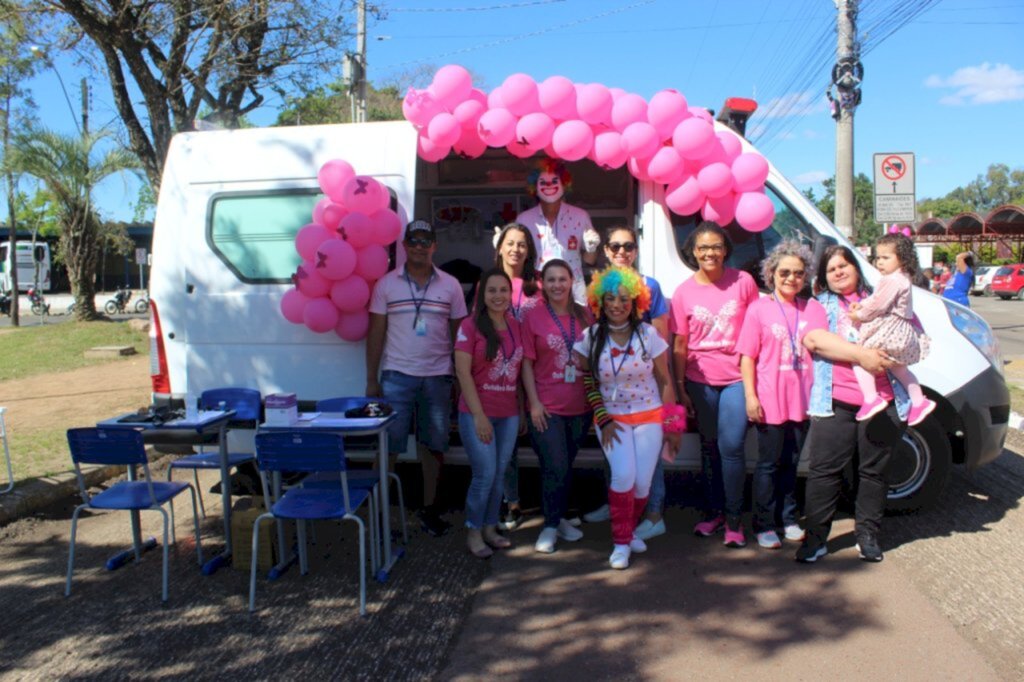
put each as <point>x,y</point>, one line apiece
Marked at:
<point>506,355</point>
<point>792,333</point>
<point>571,337</point>
<point>517,306</point>
<point>615,370</point>
<point>417,303</point>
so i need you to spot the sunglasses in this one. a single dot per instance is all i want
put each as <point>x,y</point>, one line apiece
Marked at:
<point>710,248</point>
<point>419,241</point>
<point>785,274</point>
<point>628,247</point>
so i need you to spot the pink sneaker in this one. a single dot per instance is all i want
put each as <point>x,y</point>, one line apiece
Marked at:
<point>919,412</point>
<point>869,410</point>
<point>709,527</point>
<point>734,537</point>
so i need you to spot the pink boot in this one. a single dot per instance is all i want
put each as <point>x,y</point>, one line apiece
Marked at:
<point>639,505</point>
<point>623,519</point>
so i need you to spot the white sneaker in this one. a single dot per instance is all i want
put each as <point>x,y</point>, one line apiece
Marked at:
<point>569,532</point>
<point>546,541</point>
<point>637,546</point>
<point>600,514</point>
<point>794,533</point>
<point>620,557</point>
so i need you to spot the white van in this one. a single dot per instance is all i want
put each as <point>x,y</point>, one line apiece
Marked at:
<point>231,202</point>
<point>33,262</point>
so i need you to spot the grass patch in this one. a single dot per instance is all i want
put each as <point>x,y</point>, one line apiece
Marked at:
<point>28,351</point>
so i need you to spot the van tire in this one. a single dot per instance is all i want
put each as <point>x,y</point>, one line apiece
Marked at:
<point>919,467</point>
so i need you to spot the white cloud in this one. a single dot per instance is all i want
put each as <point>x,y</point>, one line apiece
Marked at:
<point>794,104</point>
<point>811,134</point>
<point>813,177</point>
<point>984,84</point>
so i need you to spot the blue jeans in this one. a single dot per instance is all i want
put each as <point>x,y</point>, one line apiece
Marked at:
<point>722,424</point>
<point>656,500</point>
<point>487,462</point>
<point>556,449</point>
<point>512,478</point>
<point>778,447</point>
<point>428,399</point>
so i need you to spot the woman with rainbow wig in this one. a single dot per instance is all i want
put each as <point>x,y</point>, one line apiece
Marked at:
<point>625,372</point>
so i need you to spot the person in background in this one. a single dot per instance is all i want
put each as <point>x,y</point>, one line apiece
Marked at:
<point>942,275</point>
<point>414,312</point>
<point>488,356</point>
<point>958,289</point>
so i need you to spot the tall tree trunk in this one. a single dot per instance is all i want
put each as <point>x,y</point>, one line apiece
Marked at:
<point>80,245</point>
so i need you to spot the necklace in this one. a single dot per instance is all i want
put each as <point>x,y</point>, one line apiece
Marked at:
<point>619,328</point>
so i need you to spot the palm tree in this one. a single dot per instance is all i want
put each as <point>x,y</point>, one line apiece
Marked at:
<point>64,164</point>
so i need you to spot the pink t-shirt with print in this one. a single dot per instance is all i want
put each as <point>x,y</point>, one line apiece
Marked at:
<point>544,344</point>
<point>626,371</point>
<point>710,317</point>
<point>844,383</point>
<point>521,303</point>
<point>496,380</point>
<point>771,332</point>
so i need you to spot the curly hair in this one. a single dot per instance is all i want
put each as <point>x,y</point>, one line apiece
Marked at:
<point>548,166</point>
<point>706,227</point>
<point>529,266</point>
<point>609,280</point>
<point>905,252</point>
<point>788,248</point>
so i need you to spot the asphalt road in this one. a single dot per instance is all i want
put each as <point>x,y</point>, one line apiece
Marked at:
<point>1006,319</point>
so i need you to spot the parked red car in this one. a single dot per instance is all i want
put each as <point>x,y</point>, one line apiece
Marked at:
<point>1009,282</point>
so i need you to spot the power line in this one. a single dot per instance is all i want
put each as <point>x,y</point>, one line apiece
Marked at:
<point>508,5</point>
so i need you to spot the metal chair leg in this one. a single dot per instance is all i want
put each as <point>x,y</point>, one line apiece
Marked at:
<point>362,562</point>
<point>71,551</point>
<point>195,521</point>
<point>167,551</point>
<point>303,554</point>
<point>401,506</point>
<point>202,505</point>
<point>255,554</point>
<point>7,453</point>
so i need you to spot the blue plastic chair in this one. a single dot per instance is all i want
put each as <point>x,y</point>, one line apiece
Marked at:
<point>246,403</point>
<point>123,446</point>
<point>307,452</point>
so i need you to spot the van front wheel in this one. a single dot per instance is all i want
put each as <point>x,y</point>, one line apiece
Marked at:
<point>919,467</point>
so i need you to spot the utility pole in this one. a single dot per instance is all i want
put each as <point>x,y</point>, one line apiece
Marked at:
<point>361,49</point>
<point>846,77</point>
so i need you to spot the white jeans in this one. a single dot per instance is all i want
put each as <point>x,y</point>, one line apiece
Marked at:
<point>632,459</point>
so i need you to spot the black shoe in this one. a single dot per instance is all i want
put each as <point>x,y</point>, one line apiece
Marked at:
<point>432,523</point>
<point>810,551</point>
<point>512,518</point>
<point>867,545</point>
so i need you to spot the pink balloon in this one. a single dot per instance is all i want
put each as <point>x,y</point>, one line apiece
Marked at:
<point>693,137</point>
<point>720,209</point>
<point>332,177</point>
<point>444,130</point>
<point>387,226</point>
<point>469,112</point>
<point>477,95</point>
<point>371,262</point>
<point>293,303</point>
<point>715,180</point>
<point>628,109</point>
<point>495,100</point>
<point>750,170</point>
<point>469,145</point>
<point>701,112</point>
<point>754,211</point>
<point>353,326</point>
<point>667,110</point>
<point>430,152</point>
<point>730,144</point>
<point>685,198</point>
<point>309,281</point>
<point>318,210</point>
<point>497,127</point>
<point>557,96</point>
<point>333,215</point>
<point>572,140</point>
<point>309,238</point>
<point>640,139</point>
<point>715,153</point>
<point>350,294</point>
<point>356,229</point>
<point>608,151</point>
<point>666,166</point>
<point>594,103</point>
<point>335,258</point>
<point>519,151</point>
<point>638,168</point>
<point>616,93</point>
<point>419,106</point>
<point>534,131</point>
<point>365,195</point>
<point>320,315</point>
<point>451,85</point>
<point>519,93</point>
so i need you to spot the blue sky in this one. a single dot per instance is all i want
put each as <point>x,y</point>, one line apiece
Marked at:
<point>948,85</point>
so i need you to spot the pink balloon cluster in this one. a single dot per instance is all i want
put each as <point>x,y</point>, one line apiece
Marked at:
<point>343,253</point>
<point>664,140</point>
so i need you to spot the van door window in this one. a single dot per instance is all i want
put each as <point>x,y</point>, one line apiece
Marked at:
<point>750,248</point>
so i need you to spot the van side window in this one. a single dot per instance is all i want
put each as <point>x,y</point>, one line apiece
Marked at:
<point>750,248</point>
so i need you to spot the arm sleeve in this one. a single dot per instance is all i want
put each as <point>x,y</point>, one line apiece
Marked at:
<point>594,399</point>
<point>749,341</point>
<point>378,300</point>
<point>659,306</point>
<point>881,302</point>
<point>529,345</point>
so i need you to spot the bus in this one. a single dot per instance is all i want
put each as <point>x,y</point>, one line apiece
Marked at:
<point>33,266</point>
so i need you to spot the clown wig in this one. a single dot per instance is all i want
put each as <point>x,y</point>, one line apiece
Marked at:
<point>548,166</point>
<point>609,280</point>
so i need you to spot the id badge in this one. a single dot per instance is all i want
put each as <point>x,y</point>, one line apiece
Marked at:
<point>420,326</point>
<point>570,374</point>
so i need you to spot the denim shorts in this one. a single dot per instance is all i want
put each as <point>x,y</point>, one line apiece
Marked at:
<point>428,400</point>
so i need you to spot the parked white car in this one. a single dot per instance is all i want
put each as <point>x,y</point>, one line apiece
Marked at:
<point>983,280</point>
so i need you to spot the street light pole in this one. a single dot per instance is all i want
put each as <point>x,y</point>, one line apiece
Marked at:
<point>361,49</point>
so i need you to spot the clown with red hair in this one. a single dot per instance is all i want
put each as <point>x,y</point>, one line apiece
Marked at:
<point>559,229</point>
<point>625,372</point>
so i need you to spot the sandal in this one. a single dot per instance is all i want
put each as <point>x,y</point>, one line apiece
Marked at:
<point>495,539</point>
<point>475,545</point>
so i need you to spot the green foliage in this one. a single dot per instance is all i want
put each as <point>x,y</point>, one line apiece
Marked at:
<point>946,207</point>
<point>145,204</point>
<point>60,347</point>
<point>865,229</point>
<point>997,186</point>
<point>331,104</point>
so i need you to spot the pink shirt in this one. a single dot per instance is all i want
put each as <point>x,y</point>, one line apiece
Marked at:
<point>562,240</point>
<point>771,332</point>
<point>427,352</point>
<point>844,382</point>
<point>545,344</point>
<point>627,372</point>
<point>709,316</point>
<point>496,380</point>
<point>522,304</point>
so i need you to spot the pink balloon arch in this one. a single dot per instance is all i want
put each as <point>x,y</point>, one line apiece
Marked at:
<point>664,140</point>
<point>344,248</point>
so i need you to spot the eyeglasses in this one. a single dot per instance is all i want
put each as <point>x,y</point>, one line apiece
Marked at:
<point>786,274</point>
<point>710,248</point>
<point>417,241</point>
<point>628,247</point>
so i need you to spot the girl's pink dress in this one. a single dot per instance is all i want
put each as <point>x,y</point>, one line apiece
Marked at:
<point>887,321</point>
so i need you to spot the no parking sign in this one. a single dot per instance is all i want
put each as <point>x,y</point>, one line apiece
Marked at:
<point>894,188</point>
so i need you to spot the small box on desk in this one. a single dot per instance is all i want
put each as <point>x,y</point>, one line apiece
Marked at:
<point>281,409</point>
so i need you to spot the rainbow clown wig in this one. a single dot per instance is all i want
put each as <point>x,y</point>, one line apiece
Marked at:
<point>548,166</point>
<point>610,280</point>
